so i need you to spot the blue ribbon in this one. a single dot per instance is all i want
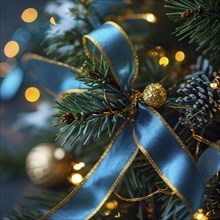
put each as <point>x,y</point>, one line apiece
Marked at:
<point>151,135</point>
<point>209,162</point>
<point>55,76</point>
<point>10,85</point>
<point>117,50</point>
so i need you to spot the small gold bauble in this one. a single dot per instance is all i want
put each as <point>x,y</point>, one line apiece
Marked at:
<point>154,95</point>
<point>47,165</point>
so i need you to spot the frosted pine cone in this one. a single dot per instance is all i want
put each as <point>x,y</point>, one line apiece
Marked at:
<point>197,95</point>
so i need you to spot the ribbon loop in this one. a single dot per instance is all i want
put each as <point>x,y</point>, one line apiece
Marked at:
<point>47,70</point>
<point>118,51</point>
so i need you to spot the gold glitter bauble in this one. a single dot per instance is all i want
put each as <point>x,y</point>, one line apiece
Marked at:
<point>154,95</point>
<point>47,165</point>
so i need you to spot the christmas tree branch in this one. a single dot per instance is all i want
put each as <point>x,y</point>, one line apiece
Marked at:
<point>200,22</point>
<point>95,111</point>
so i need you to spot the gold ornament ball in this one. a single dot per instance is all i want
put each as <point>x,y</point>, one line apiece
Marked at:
<point>47,165</point>
<point>154,95</point>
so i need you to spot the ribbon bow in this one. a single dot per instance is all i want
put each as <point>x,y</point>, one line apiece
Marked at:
<point>148,133</point>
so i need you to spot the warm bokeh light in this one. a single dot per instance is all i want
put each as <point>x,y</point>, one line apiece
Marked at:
<point>52,21</point>
<point>199,215</point>
<point>32,94</point>
<point>160,51</point>
<point>153,53</point>
<point>4,69</point>
<point>29,15</point>
<point>11,49</point>
<point>79,166</point>
<point>107,212</point>
<point>112,205</point>
<point>151,18</point>
<point>76,178</point>
<point>179,56</point>
<point>118,215</point>
<point>214,85</point>
<point>59,153</point>
<point>164,61</point>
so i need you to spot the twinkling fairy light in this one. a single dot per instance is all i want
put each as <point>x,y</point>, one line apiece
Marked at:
<point>11,49</point>
<point>32,94</point>
<point>29,15</point>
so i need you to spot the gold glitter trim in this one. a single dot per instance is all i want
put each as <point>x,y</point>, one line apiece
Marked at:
<point>70,91</point>
<point>72,193</point>
<point>29,56</point>
<point>139,199</point>
<point>205,141</point>
<point>200,138</point>
<point>164,178</point>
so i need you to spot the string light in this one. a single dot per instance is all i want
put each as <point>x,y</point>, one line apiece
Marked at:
<point>11,49</point>
<point>112,205</point>
<point>52,21</point>
<point>150,18</point>
<point>164,61</point>
<point>4,69</point>
<point>32,94</point>
<point>79,166</point>
<point>199,215</point>
<point>179,56</point>
<point>152,53</point>
<point>215,84</point>
<point>118,215</point>
<point>160,51</point>
<point>29,15</point>
<point>76,178</point>
<point>107,212</point>
<point>59,154</point>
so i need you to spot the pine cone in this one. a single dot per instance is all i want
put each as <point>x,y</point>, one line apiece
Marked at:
<point>68,118</point>
<point>212,198</point>
<point>197,95</point>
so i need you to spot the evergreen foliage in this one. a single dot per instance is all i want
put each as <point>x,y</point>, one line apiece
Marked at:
<point>200,23</point>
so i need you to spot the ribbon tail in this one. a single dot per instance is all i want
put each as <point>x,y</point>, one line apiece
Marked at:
<point>169,157</point>
<point>53,75</point>
<point>88,197</point>
<point>209,162</point>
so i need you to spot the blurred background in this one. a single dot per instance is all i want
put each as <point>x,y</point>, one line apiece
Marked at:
<point>24,108</point>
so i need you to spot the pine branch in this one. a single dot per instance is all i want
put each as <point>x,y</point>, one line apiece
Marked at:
<point>25,213</point>
<point>64,41</point>
<point>11,164</point>
<point>44,200</point>
<point>96,111</point>
<point>200,22</point>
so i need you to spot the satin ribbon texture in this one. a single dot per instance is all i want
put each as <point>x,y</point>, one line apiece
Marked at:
<point>209,163</point>
<point>149,134</point>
